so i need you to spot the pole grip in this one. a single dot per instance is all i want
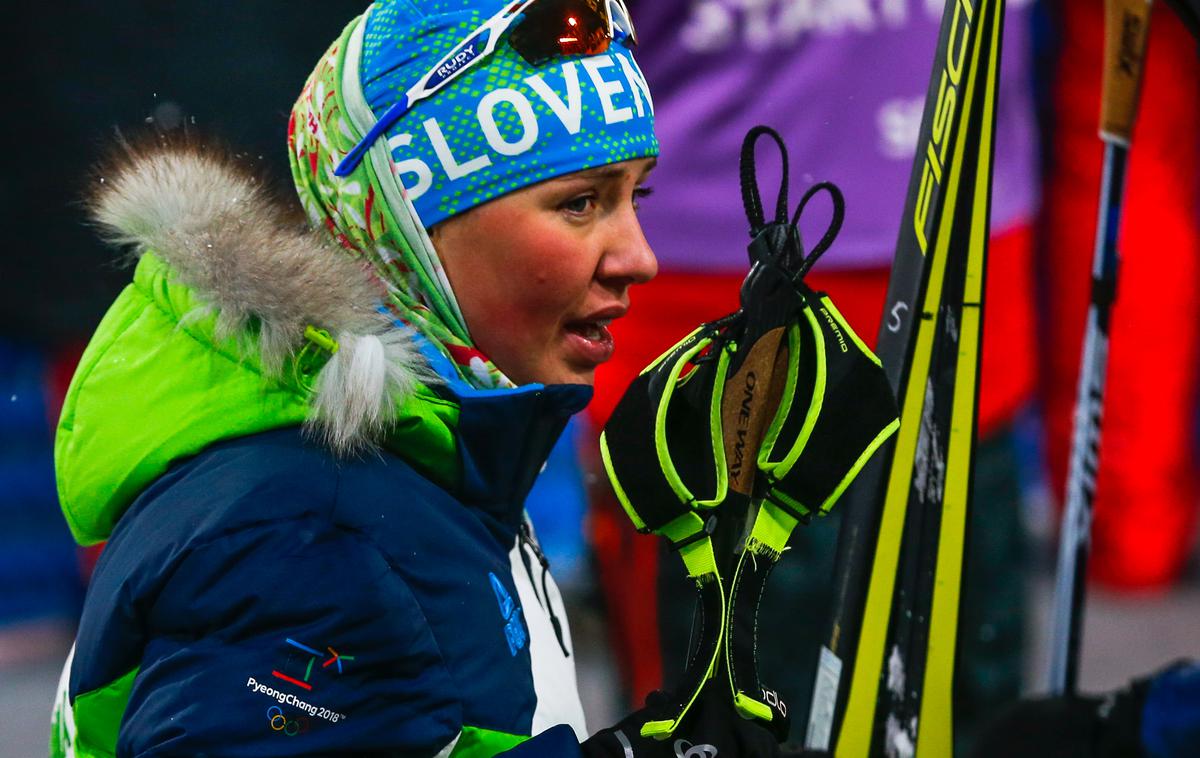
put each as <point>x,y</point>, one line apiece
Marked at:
<point>1126,30</point>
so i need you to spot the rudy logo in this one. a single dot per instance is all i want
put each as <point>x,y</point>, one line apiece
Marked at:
<point>456,61</point>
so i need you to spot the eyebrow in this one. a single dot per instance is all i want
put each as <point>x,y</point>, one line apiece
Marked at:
<point>613,170</point>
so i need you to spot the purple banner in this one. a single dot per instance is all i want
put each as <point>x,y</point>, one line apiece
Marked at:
<point>844,82</point>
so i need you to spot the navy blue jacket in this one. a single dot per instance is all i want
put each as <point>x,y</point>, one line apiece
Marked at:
<point>263,598</point>
<point>260,595</point>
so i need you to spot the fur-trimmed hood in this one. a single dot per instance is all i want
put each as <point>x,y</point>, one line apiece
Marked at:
<point>266,277</point>
<point>238,321</point>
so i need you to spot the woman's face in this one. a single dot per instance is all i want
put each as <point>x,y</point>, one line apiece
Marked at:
<point>540,272</point>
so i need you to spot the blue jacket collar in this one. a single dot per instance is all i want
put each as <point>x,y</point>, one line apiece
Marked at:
<point>504,439</point>
<point>504,435</point>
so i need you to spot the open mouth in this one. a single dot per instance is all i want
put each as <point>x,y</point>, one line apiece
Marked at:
<point>593,331</point>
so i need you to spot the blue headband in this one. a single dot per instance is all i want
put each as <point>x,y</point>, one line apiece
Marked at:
<point>503,125</point>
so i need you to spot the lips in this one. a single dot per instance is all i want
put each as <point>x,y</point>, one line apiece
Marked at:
<point>589,337</point>
<point>596,331</point>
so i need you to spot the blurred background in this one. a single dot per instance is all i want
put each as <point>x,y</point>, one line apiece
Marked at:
<point>844,82</point>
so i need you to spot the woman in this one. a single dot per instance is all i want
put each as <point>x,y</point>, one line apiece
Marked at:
<point>308,452</point>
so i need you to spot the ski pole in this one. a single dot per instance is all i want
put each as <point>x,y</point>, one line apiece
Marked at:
<point>1126,26</point>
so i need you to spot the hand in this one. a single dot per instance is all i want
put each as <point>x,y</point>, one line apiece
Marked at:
<point>1068,726</point>
<point>712,729</point>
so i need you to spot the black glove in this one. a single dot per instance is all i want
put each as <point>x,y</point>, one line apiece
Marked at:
<point>712,729</point>
<point>1076,726</point>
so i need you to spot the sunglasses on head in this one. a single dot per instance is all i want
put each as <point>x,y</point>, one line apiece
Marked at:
<point>539,30</point>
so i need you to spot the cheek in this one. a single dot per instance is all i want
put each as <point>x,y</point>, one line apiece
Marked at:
<point>534,312</point>
<point>545,280</point>
<point>519,275</point>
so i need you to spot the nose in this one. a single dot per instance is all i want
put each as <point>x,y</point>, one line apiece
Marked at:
<point>627,258</point>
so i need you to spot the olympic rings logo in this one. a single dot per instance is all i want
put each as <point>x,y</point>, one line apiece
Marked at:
<point>281,723</point>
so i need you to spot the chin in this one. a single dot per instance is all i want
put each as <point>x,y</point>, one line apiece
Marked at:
<point>577,377</point>
<point>560,374</point>
<point>571,375</point>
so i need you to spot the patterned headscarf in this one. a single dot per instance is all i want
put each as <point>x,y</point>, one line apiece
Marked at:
<point>501,126</point>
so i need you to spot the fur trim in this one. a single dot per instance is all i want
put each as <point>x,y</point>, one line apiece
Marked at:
<point>226,239</point>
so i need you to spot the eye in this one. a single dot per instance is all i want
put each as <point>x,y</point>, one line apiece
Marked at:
<point>579,205</point>
<point>640,194</point>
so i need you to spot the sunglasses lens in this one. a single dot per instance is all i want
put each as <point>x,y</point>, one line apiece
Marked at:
<point>559,28</point>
